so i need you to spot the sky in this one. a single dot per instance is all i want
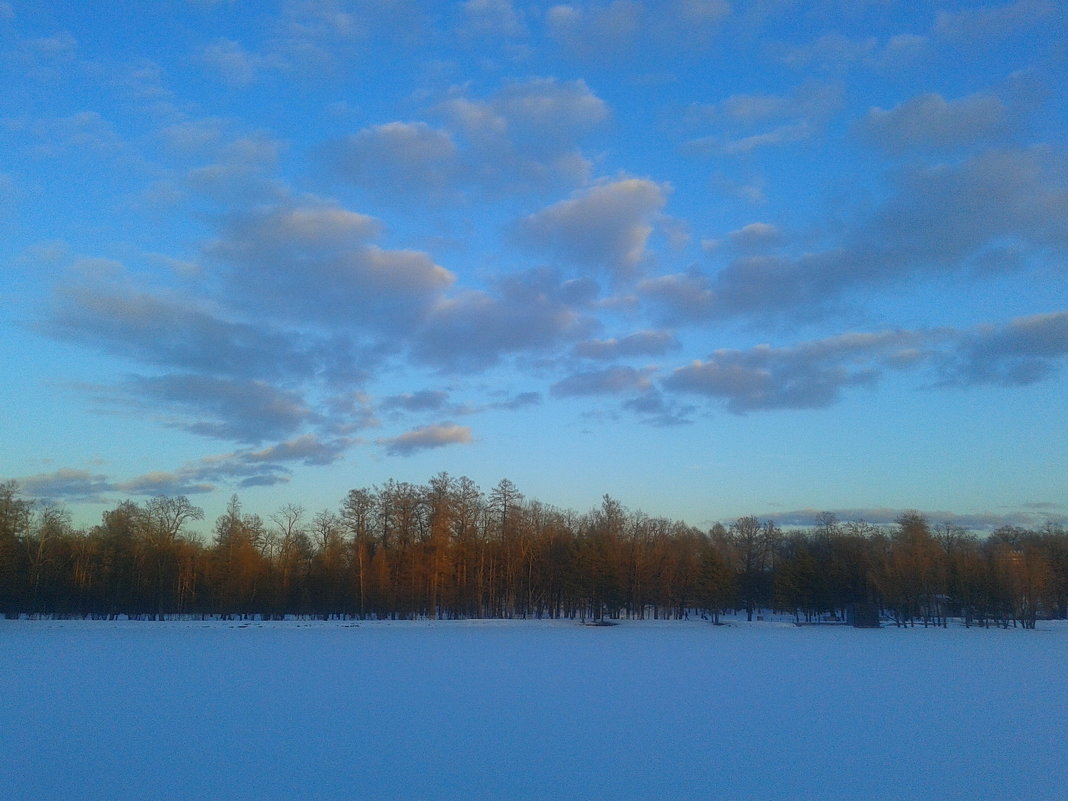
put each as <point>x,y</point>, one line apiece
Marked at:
<point>711,258</point>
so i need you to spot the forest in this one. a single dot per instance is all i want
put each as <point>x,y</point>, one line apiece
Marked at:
<point>447,549</point>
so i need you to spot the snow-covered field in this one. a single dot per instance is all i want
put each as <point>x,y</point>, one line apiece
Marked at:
<point>529,710</point>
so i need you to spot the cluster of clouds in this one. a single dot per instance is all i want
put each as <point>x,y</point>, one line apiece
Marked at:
<point>524,137</point>
<point>985,213</point>
<point>815,374</point>
<point>269,336</point>
<point>315,38</point>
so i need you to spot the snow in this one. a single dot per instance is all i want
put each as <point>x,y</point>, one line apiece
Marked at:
<point>528,710</point>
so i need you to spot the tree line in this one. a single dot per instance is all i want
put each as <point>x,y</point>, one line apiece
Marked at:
<point>447,549</point>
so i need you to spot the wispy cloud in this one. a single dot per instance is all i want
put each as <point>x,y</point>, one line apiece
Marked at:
<point>164,483</point>
<point>171,331</point>
<point>611,381</point>
<point>924,228</point>
<point>815,374</point>
<point>230,62</point>
<point>986,24</point>
<point>68,484</point>
<point>747,122</point>
<point>230,409</point>
<point>422,401</point>
<point>425,438</point>
<point>929,120</point>
<point>242,468</point>
<point>811,375</point>
<point>641,343</point>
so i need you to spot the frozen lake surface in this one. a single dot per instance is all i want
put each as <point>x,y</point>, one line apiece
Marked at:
<point>529,710</point>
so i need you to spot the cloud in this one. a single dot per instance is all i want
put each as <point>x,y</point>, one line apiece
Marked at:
<point>815,374</point>
<point>756,236</point>
<point>312,263</point>
<point>85,132</point>
<point>747,122</point>
<point>945,213</point>
<point>832,49</point>
<point>526,312</point>
<point>780,135</point>
<point>320,228</point>
<point>605,227</point>
<point>347,412</point>
<point>426,438</point>
<point>769,286</point>
<point>812,100</point>
<point>524,137</point>
<point>655,409</point>
<point>836,52</point>
<point>263,481</point>
<point>67,484</point>
<point>491,19</point>
<point>230,62</point>
<point>985,25</point>
<point>308,449</point>
<point>423,401</point>
<point>931,121</point>
<point>195,137</point>
<point>398,156</point>
<point>218,378</point>
<point>308,41</point>
<point>217,160</point>
<point>622,31</point>
<point>46,58</point>
<point>808,376</point>
<point>241,410</point>
<point>59,44</point>
<point>117,318</point>
<point>611,381</point>
<point>901,50</point>
<point>641,343</point>
<point>519,401</point>
<point>216,144</point>
<point>437,402</point>
<point>245,467</point>
<point>681,298</point>
<point>601,31</point>
<point>144,79</point>
<point>539,112</point>
<point>232,184</point>
<point>942,218</point>
<point>1025,351</point>
<point>163,483</point>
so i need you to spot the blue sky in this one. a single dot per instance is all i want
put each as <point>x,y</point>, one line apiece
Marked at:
<point>713,258</point>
